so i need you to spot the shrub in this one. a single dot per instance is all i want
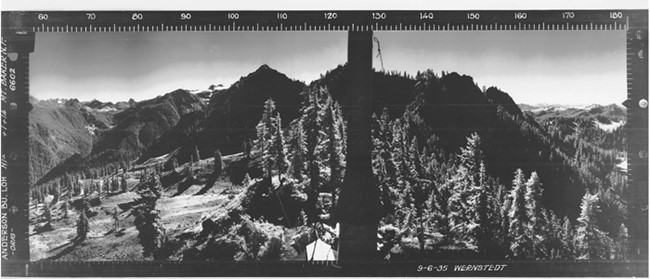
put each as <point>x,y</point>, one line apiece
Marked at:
<point>226,248</point>
<point>272,250</point>
<point>281,206</point>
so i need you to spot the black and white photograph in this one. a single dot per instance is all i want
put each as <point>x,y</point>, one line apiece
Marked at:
<point>433,150</point>
<point>494,145</point>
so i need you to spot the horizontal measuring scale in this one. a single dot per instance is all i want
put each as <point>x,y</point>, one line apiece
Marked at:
<point>144,21</point>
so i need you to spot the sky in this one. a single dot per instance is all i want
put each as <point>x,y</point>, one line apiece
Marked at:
<point>534,67</point>
<point>552,67</point>
<point>119,66</point>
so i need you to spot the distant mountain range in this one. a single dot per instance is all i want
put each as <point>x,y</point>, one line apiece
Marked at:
<point>606,117</point>
<point>127,132</point>
<point>613,112</point>
<point>61,128</point>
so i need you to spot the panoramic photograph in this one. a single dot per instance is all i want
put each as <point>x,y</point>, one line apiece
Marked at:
<point>233,146</point>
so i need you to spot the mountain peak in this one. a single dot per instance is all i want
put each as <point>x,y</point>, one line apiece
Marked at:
<point>73,102</point>
<point>592,106</point>
<point>496,96</point>
<point>614,106</point>
<point>264,68</point>
<point>264,72</point>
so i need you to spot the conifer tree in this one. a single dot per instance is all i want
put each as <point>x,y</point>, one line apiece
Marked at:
<point>501,205</point>
<point>426,159</point>
<point>591,242</point>
<point>151,232</point>
<point>383,163</point>
<point>622,242</point>
<point>312,121</point>
<point>415,165</point>
<point>534,211</point>
<point>47,214</point>
<point>483,216</point>
<point>385,134</point>
<point>82,224</point>
<point>341,124</point>
<point>470,205</point>
<point>411,191</point>
<point>66,207</point>
<point>266,131</point>
<point>334,145</point>
<point>472,155</point>
<point>297,150</point>
<point>521,245</point>
<point>567,240</point>
<point>278,149</point>
<point>123,184</point>
<point>58,191</point>
<point>551,243</point>
<point>400,151</point>
<point>67,184</point>
<point>458,206</point>
<point>437,206</point>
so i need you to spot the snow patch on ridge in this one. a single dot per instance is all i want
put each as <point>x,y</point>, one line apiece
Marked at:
<point>609,127</point>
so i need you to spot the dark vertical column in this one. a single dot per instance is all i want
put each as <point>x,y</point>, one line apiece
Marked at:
<point>14,206</point>
<point>359,208</point>
<point>637,135</point>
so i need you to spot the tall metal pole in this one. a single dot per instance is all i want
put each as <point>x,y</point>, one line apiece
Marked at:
<point>359,208</point>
